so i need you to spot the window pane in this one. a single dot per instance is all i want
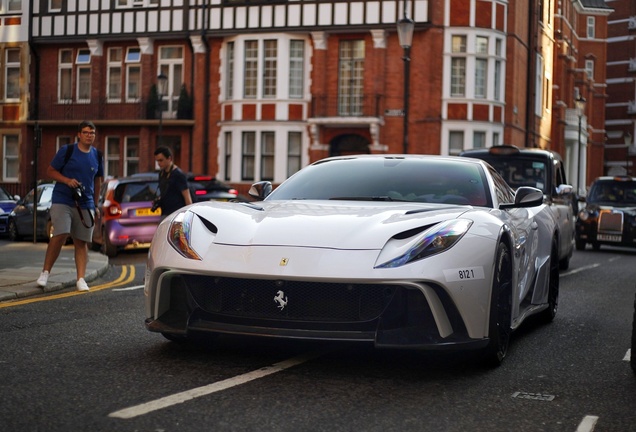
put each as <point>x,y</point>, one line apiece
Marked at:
<point>229,72</point>
<point>479,139</point>
<point>455,142</point>
<point>293,152</point>
<point>13,83</point>
<point>134,82</point>
<point>481,45</point>
<point>269,68</point>
<point>83,57</point>
<point>350,79</point>
<point>84,84</point>
<point>458,76</point>
<point>114,83</point>
<point>251,69</point>
<point>133,55</point>
<point>249,148</point>
<point>267,155</point>
<point>481,66</point>
<point>296,68</point>
<point>458,44</point>
<point>65,84</point>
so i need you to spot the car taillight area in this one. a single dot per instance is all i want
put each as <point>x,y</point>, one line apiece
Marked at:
<point>112,210</point>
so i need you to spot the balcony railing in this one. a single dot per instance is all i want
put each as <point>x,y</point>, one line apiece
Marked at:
<point>351,106</point>
<point>102,109</point>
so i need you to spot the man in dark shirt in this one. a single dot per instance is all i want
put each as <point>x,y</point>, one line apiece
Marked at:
<point>173,185</point>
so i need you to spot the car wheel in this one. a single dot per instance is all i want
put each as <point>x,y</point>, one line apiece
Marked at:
<point>580,245</point>
<point>108,248</point>
<point>564,264</point>
<point>14,235</point>
<point>500,309</point>
<point>548,315</point>
<point>632,359</point>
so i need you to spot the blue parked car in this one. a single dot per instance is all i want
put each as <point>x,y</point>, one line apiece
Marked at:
<point>7,203</point>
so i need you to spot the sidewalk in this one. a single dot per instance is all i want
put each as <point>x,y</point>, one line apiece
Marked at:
<point>21,264</point>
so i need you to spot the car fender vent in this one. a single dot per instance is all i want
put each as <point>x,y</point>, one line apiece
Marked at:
<point>209,225</point>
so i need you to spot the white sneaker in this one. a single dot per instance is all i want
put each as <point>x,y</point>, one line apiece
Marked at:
<point>81,285</point>
<point>43,279</point>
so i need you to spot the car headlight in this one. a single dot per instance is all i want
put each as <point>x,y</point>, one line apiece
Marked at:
<point>180,232</point>
<point>432,241</point>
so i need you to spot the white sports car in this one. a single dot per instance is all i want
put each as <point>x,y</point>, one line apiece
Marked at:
<point>413,251</point>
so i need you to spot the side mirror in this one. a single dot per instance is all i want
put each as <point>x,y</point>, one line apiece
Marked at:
<point>260,190</point>
<point>564,189</point>
<point>525,197</point>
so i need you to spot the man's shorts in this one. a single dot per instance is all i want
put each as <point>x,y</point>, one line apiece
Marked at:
<point>66,220</point>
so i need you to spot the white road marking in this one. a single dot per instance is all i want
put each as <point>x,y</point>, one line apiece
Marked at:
<point>132,288</point>
<point>185,396</point>
<point>588,423</point>
<point>580,269</point>
<point>628,355</point>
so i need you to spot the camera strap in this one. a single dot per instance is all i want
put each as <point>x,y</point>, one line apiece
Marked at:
<point>81,213</point>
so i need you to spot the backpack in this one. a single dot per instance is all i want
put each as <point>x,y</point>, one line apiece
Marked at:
<point>69,152</point>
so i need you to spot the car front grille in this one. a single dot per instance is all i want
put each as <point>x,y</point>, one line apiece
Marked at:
<point>289,300</point>
<point>610,222</point>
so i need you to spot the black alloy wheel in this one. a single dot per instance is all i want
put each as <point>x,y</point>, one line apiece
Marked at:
<point>14,235</point>
<point>500,310</point>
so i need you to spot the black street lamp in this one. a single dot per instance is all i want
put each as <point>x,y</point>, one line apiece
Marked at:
<point>162,85</point>
<point>405,34</point>
<point>580,109</point>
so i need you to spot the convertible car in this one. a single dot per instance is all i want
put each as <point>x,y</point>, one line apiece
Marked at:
<point>420,252</point>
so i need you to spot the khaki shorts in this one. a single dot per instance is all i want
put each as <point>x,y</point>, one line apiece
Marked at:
<point>66,220</point>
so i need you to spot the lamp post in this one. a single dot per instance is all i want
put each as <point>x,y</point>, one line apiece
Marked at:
<point>162,83</point>
<point>405,34</point>
<point>580,109</point>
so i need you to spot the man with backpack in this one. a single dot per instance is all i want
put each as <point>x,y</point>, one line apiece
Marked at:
<point>78,171</point>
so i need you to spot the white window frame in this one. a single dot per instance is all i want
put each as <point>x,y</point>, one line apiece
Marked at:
<point>591,27</point>
<point>12,66</point>
<point>172,67</point>
<point>114,64</point>
<point>268,155</point>
<point>9,6</point>
<point>83,79</point>
<point>62,140</point>
<point>128,141</point>
<point>458,66</point>
<point>65,67</point>
<point>125,4</point>
<point>589,68</point>
<point>296,68</point>
<point>230,55</point>
<point>10,158</point>
<point>111,157</point>
<point>83,56</point>
<point>55,5</point>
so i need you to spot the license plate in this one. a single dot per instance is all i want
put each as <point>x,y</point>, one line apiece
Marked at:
<point>147,212</point>
<point>609,237</point>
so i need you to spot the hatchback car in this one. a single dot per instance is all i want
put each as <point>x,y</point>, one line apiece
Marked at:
<point>609,216</point>
<point>126,219</point>
<point>542,169</point>
<point>7,203</point>
<point>20,219</point>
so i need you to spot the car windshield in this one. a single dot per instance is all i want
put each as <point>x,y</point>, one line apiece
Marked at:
<point>612,192</point>
<point>4,196</point>
<point>520,171</point>
<point>389,179</point>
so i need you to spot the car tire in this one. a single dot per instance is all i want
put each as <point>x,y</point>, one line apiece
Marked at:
<point>547,316</point>
<point>108,249</point>
<point>564,264</point>
<point>632,359</point>
<point>579,244</point>
<point>500,309</point>
<point>12,229</point>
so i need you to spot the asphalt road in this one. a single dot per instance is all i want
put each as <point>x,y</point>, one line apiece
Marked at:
<point>86,362</point>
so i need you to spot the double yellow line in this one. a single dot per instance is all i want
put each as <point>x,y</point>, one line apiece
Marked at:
<point>127,275</point>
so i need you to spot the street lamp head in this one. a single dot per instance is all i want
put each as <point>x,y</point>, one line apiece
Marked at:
<point>405,28</point>
<point>162,84</point>
<point>580,104</point>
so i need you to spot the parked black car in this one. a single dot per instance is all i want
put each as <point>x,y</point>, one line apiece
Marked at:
<point>20,220</point>
<point>542,169</point>
<point>609,216</point>
<point>208,188</point>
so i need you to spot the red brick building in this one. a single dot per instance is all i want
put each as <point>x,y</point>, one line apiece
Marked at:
<point>256,89</point>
